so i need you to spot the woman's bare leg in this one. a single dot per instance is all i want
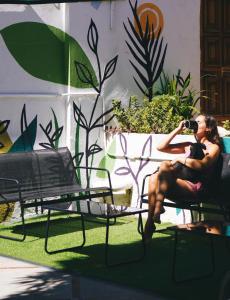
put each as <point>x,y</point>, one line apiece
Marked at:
<point>154,205</point>
<point>164,184</point>
<point>166,178</point>
<point>152,188</point>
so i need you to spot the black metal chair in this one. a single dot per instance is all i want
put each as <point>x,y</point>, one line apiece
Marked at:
<point>219,196</point>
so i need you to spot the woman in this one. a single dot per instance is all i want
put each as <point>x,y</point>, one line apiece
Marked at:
<point>166,182</point>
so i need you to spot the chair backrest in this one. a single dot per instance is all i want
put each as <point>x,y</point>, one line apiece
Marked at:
<point>37,170</point>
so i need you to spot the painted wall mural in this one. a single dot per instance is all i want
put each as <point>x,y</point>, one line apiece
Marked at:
<point>60,71</point>
<point>47,52</point>
<point>25,142</point>
<point>93,121</point>
<point>146,46</point>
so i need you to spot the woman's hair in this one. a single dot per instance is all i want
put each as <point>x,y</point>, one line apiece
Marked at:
<point>212,135</point>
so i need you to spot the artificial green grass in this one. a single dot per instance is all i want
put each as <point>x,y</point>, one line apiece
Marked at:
<point>152,274</point>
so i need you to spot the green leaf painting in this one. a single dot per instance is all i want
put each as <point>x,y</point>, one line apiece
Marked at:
<point>107,161</point>
<point>46,52</point>
<point>26,140</point>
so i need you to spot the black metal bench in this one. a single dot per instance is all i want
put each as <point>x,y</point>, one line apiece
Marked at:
<point>214,201</point>
<point>42,177</point>
<point>48,178</point>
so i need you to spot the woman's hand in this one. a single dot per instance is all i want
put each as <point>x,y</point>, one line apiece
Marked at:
<point>181,126</point>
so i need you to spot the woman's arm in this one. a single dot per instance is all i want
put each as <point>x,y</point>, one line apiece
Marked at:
<point>177,148</point>
<point>201,164</point>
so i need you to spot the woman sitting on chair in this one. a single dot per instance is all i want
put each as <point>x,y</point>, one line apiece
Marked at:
<point>170,182</point>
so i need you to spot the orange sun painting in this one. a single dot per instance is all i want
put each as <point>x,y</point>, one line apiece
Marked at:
<point>154,15</point>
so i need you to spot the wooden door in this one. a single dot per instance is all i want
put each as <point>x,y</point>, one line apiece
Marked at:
<point>215,57</point>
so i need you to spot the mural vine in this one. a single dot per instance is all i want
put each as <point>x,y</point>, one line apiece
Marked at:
<point>85,76</point>
<point>127,170</point>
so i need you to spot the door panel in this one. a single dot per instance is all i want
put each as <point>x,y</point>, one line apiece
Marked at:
<point>211,16</point>
<point>226,17</point>
<point>211,82</point>
<point>226,51</point>
<point>215,56</point>
<point>212,54</point>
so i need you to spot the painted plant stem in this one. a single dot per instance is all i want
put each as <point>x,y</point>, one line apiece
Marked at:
<point>146,151</point>
<point>85,76</point>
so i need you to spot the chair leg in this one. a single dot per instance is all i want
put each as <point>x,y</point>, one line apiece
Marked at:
<point>64,249</point>
<point>137,259</point>
<point>209,274</point>
<point>23,229</point>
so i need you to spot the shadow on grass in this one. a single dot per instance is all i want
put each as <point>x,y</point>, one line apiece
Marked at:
<point>59,225</point>
<point>152,274</point>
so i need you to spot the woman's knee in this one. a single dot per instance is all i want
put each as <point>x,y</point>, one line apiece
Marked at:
<point>165,166</point>
<point>153,182</point>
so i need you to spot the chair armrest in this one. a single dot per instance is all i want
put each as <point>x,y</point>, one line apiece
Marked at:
<point>143,188</point>
<point>97,169</point>
<point>143,185</point>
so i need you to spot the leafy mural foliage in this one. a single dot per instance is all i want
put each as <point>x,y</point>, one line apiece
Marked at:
<point>148,52</point>
<point>107,161</point>
<point>26,140</point>
<point>86,76</point>
<point>53,136</point>
<point>46,52</point>
<point>128,170</point>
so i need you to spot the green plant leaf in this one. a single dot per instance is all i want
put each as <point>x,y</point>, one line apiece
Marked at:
<point>46,52</point>
<point>107,161</point>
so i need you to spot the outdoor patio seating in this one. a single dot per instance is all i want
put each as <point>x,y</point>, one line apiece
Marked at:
<point>40,177</point>
<point>48,178</point>
<point>214,201</point>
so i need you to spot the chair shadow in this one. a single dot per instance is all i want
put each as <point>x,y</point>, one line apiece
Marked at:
<point>60,225</point>
<point>153,274</point>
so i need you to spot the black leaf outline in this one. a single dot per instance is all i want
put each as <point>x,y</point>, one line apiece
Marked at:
<point>100,118</point>
<point>84,74</point>
<point>110,68</point>
<point>80,115</point>
<point>24,125</point>
<point>78,158</point>
<point>46,145</point>
<point>93,149</point>
<point>49,127</point>
<point>92,36</point>
<point>56,135</point>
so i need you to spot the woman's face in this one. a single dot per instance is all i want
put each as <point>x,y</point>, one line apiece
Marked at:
<point>202,127</point>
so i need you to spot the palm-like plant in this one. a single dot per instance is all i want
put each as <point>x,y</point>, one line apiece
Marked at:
<point>148,51</point>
